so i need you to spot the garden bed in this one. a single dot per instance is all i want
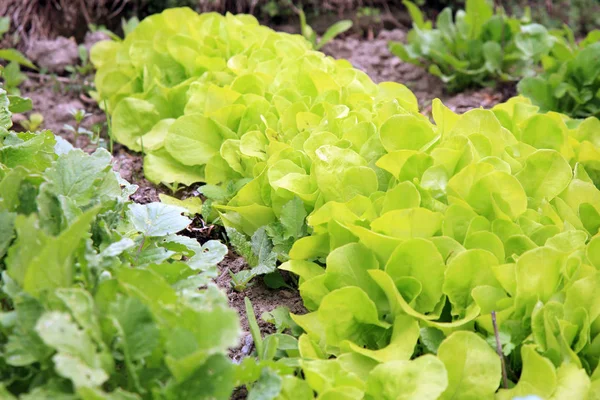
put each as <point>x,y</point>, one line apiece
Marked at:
<point>378,230</point>
<point>54,98</point>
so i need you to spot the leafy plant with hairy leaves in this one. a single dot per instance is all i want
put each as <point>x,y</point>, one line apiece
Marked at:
<point>100,293</point>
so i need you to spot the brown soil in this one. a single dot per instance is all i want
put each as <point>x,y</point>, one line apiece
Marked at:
<point>374,58</point>
<point>263,299</point>
<point>131,167</point>
<point>55,98</point>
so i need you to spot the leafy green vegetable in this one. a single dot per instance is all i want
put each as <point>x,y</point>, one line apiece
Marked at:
<point>258,252</point>
<point>499,234</point>
<point>405,233</point>
<point>100,293</point>
<point>476,48</point>
<point>571,78</point>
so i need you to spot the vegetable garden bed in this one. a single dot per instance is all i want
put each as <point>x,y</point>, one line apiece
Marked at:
<point>423,253</point>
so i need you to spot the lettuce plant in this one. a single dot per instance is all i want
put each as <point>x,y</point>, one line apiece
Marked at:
<point>476,48</point>
<point>100,296</point>
<point>485,212</point>
<point>416,232</point>
<point>571,81</point>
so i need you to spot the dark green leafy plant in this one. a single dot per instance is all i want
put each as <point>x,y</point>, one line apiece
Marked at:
<point>476,47</point>
<point>582,16</point>
<point>99,296</point>
<point>571,81</point>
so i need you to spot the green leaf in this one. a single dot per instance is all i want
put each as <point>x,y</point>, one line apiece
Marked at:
<point>5,113</point>
<point>53,266</point>
<point>211,253</point>
<point>4,25</point>
<point>193,140</point>
<point>267,387</point>
<point>292,218</point>
<point>213,380</point>
<point>349,314</point>
<point>19,104</point>
<point>156,219</point>
<point>76,359</point>
<point>280,317</point>
<point>348,266</point>
<point>415,14</point>
<point>406,132</point>
<point>131,119</point>
<point>35,152</point>
<point>572,382</point>
<point>80,177</point>
<point>534,41</point>
<point>545,175</point>
<point>294,389</point>
<point>538,275</point>
<point>492,52</point>
<point>476,266</point>
<point>422,378</point>
<point>12,55</point>
<point>333,31</point>
<point>192,204</point>
<point>160,167</point>
<point>81,305</point>
<point>431,338</point>
<point>539,91</point>
<point>418,259</point>
<point>7,224</point>
<point>263,250</point>
<point>474,369</point>
<point>79,373</point>
<point>478,13</point>
<point>254,329</point>
<point>402,342</point>
<point>242,246</point>
<point>137,330</point>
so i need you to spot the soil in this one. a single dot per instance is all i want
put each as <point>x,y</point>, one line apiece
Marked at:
<point>55,97</point>
<point>131,167</point>
<point>263,300</point>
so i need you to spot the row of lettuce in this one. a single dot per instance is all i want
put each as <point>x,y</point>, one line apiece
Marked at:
<point>101,298</point>
<point>416,232</point>
<point>482,46</point>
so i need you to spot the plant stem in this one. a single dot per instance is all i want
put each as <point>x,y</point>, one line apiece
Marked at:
<point>499,351</point>
<point>140,248</point>
<point>76,133</point>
